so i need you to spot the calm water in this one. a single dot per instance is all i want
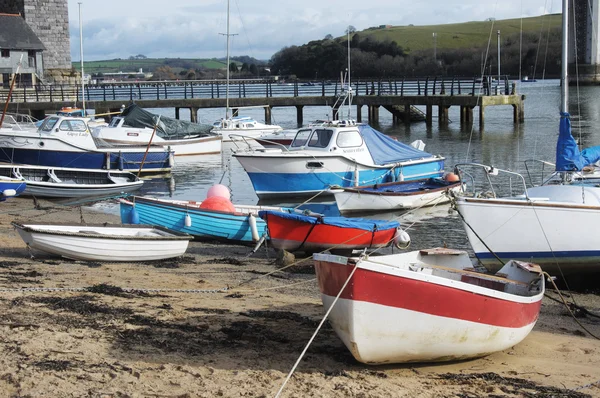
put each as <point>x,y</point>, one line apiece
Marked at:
<point>500,143</point>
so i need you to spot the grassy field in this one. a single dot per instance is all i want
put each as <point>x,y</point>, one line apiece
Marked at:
<point>461,35</point>
<point>148,65</point>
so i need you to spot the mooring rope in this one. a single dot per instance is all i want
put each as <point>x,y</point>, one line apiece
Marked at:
<point>318,329</point>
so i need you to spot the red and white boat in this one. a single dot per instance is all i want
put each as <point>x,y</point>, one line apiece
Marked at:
<point>295,231</point>
<point>428,305</point>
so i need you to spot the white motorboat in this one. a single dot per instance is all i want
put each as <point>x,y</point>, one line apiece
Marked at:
<point>63,182</point>
<point>104,242</point>
<point>343,154</point>
<point>238,127</point>
<point>119,132</point>
<point>428,305</point>
<point>65,141</point>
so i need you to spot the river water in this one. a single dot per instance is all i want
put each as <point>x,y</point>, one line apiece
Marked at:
<point>500,143</point>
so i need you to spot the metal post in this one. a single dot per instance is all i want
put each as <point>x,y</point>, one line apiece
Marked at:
<point>498,56</point>
<point>81,56</point>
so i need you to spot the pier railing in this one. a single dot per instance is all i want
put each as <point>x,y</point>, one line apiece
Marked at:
<point>211,89</point>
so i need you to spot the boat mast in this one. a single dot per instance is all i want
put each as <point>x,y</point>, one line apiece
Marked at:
<point>564,76</point>
<point>349,85</point>
<point>227,89</point>
<point>81,56</point>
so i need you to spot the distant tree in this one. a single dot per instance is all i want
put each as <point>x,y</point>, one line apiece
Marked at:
<point>329,37</point>
<point>351,29</point>
<point>163,73</point>
<point>253,69</point>
<point>244,67</point>
<point>233,67</point>
<point>141,56</point>
<point>131,57</point>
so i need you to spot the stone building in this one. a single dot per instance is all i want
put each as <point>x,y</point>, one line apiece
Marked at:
<point>19,43</point>
<point>49,19</point>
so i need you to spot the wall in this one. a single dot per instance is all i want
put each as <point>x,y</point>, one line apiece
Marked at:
<point>49,19</point>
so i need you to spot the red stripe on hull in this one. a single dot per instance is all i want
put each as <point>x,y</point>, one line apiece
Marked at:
<point>326,236</point>
<point>430,298</point>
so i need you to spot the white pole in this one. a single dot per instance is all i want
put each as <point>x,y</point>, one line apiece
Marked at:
<point>81,56</point>
<point>498,56</point>
<point>227,88</point>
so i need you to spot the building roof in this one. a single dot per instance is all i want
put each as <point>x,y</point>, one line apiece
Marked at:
<point>15,34</point>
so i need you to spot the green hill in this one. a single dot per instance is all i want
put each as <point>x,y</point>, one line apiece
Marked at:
<point>460,35</point>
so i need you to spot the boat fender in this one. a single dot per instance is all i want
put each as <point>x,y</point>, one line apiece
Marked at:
<point>9,192</point>
<point>253,228</point>
<point>401,239</point>
<point>451,177</point>
<point>187,221</point>
<point>120,161</point>
<point>134,217</point>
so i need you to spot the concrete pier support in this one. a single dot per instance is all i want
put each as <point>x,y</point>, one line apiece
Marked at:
<point>406,114</point>
<point>443,114</point>
<point>518,114</point>
<point>481,115</point>
<point>177,113</point>
<point>300,115</point>
<point>268,113</point>
<point>373,114</point>
<point>428,114</point>
<point>194,115</point>
<point>359,113</point>
<point>584,42</point>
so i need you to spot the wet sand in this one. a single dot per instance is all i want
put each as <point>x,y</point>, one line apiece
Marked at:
<point>106,342</point>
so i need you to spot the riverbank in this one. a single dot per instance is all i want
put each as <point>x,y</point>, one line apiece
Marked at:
<point>224,341</point>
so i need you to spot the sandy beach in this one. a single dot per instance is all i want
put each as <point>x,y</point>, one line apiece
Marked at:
<point>231,340</point>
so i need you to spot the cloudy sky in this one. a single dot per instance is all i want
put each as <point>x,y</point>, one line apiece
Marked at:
<point>190,28</point>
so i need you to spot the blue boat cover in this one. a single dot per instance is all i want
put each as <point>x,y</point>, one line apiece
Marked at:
<point>385,150</point>
<point>568,156</point>
<point>357,223</point>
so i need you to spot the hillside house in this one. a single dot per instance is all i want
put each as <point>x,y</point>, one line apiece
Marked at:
<point>18,40</point>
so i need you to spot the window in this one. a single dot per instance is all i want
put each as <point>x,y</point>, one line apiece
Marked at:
<point>73,125</point>
<point>31,59</point>
<point>49,124</point>
<point>320,138</point>
<point>5,53</point>
<point>347,139</point>
<point>301,138</point>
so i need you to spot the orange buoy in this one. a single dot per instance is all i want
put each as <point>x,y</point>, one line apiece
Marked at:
<point>451,177</point>
<point>218,203</point>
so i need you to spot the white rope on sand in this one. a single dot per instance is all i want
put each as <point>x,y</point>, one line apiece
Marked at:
<point>317,331</point>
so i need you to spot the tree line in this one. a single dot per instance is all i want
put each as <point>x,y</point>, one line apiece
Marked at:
<point>533,55</point>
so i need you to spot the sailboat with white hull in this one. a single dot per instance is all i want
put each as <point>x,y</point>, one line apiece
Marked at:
<point>554,224</point>
<point>234,127</point>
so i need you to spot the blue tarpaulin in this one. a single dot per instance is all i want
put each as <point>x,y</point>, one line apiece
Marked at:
<point>385,150</point>
<point>358,223</point>
<point>568,156</point>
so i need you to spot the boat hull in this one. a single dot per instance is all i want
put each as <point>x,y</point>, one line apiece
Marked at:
<point>11,187</point>
<point>292,235</point>
<point>289,175</point>
<point>182,147</point>
<point>417,194</point>
<point>533,231</point>
<point>104,243</point>
<point>395,316</point>
<point>205,224</point>
<point>155,162</point>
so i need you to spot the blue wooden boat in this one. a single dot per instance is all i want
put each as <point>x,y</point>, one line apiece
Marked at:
<point>10,187</point>
<point>242,226</point>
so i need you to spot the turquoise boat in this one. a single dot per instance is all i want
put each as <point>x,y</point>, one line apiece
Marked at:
<point>243,226</point>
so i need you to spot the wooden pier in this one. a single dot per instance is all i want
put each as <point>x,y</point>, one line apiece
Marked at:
<point>399,97</point>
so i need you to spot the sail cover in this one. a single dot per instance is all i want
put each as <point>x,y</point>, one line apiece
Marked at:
<point>568,156</point>
<point>386,150</point>
<point>168,128</point>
